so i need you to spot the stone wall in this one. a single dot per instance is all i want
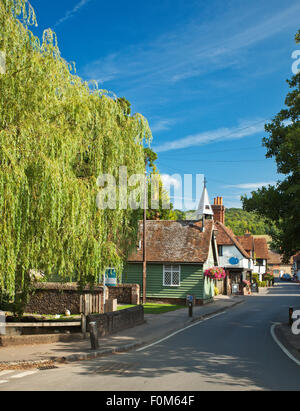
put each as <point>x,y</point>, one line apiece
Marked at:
<point>110,323</point>
<point>56,298</point>
<point>125,293</point>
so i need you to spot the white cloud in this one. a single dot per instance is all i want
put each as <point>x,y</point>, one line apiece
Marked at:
<point>174,180</point>
<point>193,49</point>
<point>221,134</point>
<point>251,186</point>
<point>70,13</point>
<point>162,125</point>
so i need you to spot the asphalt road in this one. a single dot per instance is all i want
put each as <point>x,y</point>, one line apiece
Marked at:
<point>231,351</point>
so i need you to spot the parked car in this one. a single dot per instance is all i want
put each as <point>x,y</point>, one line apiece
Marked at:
<point>286,277</point>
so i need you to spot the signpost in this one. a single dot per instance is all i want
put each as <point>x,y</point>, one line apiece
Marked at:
<point>110,278</point>
<point>190,301</point>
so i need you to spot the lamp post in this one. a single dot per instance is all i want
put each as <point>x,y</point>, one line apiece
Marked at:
<point>144,241</point>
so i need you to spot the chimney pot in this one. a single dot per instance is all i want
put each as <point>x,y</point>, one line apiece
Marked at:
<point>219,210</point>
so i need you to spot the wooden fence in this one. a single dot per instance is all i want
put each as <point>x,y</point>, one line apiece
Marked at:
<point>91,303</point>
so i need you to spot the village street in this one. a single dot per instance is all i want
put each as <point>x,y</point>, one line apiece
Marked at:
<point>233,350</point>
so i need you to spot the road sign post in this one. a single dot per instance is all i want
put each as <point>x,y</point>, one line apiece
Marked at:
<point>190,301</point>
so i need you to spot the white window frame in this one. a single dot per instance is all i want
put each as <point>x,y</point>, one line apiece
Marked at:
<point>170,268</point>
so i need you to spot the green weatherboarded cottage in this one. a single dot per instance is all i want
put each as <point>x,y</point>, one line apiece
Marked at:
<point>178,253</point>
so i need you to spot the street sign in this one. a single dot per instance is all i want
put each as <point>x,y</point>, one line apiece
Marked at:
<point>111,277</point>
<point>190,298</point>
<point>233,261</point>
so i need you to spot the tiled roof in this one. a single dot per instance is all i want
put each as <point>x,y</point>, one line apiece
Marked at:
<point>174,242</point>
<point>225,236</point>
<point>246,241</point>
<point>267,237</point>
<point>261,248</point>
<point>275,258</point>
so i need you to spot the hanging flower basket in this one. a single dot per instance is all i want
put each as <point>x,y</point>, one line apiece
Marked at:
<point>215,273</point>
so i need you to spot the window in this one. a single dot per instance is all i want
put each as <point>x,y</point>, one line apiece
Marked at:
<point>259,261</point>
<point>220,250</point>
<point>171,276</point>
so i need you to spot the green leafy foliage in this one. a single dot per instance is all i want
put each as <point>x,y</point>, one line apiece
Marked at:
<point>240,221</point>
<point>157,192</point>
<point>57,135</point>
<point>281,203</point>
<point>180,215</point>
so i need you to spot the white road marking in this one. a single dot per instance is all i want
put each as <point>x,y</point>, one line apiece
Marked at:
<point>282,347</point>
<point>24,374</point>
<point>3,381</point>
<point>179,331</point>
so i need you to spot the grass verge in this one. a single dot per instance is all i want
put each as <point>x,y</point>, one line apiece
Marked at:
<point>152,308</point>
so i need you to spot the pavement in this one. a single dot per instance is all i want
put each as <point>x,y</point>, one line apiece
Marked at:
<point>156,326</point>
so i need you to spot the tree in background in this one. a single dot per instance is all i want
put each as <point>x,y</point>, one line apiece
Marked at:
<point>159,213</point>
<point>241,221</point>
<point>281,203</point>
<point>56,137</point>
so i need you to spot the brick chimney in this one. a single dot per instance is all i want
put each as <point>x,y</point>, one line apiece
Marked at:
<point>219,210</point>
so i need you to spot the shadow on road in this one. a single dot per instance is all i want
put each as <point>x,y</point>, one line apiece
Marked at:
<point>232,351</point>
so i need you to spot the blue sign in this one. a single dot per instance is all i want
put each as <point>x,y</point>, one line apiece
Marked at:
<point>234,260</point>
<point>110,277</point>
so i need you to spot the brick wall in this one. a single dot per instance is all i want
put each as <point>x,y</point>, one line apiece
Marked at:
<point>110,323</point>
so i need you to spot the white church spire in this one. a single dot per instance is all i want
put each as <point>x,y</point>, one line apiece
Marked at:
<point>204,207</point>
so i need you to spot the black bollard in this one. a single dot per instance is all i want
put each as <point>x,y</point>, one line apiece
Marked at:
<point>190,309</point>
<point>291,310</point>
<point>94,335</point>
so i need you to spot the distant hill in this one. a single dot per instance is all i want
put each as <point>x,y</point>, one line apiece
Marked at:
<point>239,221</point>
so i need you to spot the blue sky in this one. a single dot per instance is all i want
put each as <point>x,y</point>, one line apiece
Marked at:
<point>206,75</point>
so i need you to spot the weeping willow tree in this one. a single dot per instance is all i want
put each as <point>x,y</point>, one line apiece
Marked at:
<point>56,136</point>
